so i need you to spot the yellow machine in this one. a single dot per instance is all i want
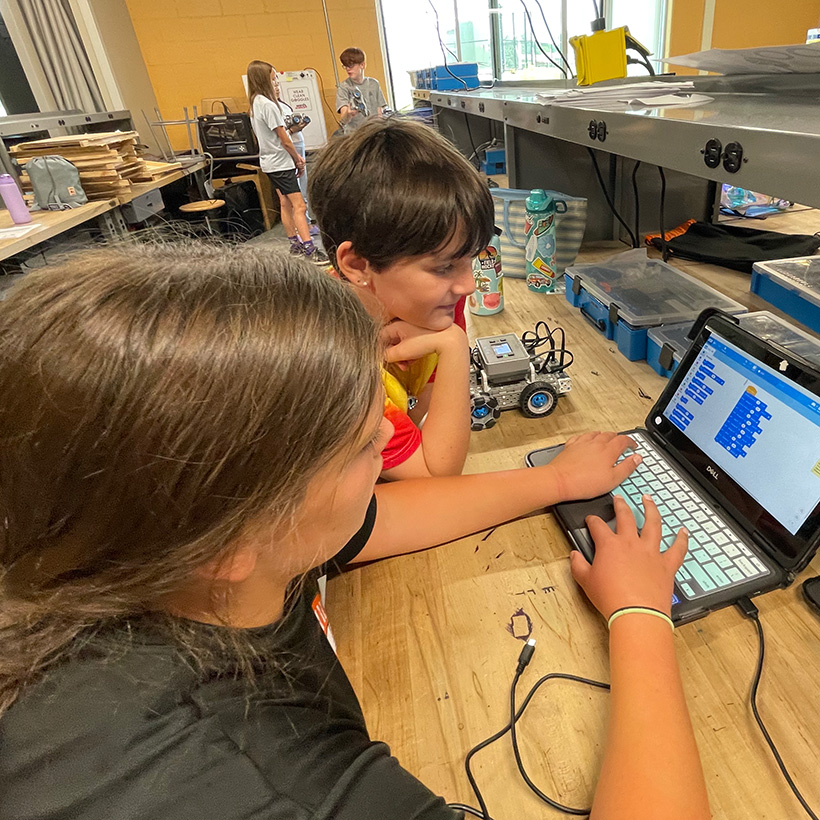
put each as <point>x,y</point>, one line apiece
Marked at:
<point>602,55</point>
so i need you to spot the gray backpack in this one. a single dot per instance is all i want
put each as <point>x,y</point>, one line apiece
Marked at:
<point>56,183</point>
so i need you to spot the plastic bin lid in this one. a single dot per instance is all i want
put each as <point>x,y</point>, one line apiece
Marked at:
<point>673,335</point>
<point>649,291</point>
<point>772,328</point>
<point>802,272</point>
<point>762,323</point>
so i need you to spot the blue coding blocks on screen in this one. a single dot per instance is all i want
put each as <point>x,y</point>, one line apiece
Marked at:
<point>742,427</point>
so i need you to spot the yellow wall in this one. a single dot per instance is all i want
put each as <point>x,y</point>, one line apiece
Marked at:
<point>196,49</point>
<point>741,23</point>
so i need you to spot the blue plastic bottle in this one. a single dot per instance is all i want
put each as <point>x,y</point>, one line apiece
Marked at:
<point>540,249</point>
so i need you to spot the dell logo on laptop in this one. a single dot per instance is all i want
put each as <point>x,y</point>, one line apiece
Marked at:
<point>712,471</point>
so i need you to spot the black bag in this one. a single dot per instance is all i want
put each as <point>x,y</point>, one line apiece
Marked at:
<point>227,135</point>
<point>242,215</point>
<point>735,247</point>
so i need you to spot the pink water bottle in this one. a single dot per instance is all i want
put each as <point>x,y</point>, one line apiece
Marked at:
<point>13,200</point>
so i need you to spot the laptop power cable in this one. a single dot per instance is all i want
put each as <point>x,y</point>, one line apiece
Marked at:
<point>515,715</point>
<point>746,606</point>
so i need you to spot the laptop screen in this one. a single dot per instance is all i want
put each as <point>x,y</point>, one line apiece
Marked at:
<point>756,425</point>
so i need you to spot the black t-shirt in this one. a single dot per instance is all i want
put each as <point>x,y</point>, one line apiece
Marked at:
<point>131,727</point>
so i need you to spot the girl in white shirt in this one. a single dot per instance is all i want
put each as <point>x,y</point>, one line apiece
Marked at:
<point>279,158</point>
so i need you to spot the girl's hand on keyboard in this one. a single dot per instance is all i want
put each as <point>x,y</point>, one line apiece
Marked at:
<point>629,568</point>
<point>586,467</point>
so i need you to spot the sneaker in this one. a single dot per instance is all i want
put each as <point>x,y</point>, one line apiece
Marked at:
<point>318,257</point>
<point>314,230</point>
<point>295,245</point>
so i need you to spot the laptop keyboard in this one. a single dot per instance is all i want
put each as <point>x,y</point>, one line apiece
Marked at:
<point>717,558</point>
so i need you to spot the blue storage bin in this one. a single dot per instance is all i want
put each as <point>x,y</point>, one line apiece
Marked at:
<point>627,294</point>
<point>793,285</point>
<point>666,345</point>
<point>456,84</point>
<point>465,70</point>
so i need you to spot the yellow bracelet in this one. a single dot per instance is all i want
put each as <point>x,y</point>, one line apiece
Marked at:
<point>644,610</point>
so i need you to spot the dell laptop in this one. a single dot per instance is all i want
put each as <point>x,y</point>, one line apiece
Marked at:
<point>731,451</point>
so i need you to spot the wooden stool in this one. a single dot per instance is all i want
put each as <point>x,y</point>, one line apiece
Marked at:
<point>207,208</point>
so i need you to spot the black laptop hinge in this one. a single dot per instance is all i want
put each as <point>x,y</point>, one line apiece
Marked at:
<point>667,356</point>
<point>576,285</point>
<point>761,542</point>
<point>613,313</point>
<point>705,315</point>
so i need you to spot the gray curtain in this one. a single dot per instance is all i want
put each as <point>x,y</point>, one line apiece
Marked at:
<point>57,42</point>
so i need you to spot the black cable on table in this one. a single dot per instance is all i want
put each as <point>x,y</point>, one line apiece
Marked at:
<point>746,606</point>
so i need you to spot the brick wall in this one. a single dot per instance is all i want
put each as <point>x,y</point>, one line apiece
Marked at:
<point>196,49</point>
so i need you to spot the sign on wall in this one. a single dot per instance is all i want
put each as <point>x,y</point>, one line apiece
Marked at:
<point>300,91</point>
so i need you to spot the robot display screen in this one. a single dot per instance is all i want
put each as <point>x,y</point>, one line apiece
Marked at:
<point>502,349</point>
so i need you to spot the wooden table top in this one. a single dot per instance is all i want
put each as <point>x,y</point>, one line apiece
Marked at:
<point>425,638</point>
<point>53,223</point>
<point>50,224</point>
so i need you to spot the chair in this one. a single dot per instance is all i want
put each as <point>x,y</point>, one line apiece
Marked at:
<point>207,209</point>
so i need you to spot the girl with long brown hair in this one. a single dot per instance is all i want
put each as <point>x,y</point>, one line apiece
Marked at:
<point>188,437</point>
<point>279,158</point>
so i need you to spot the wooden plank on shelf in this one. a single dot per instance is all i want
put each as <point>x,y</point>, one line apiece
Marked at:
<point>76,159</point>
<point>81,140</point>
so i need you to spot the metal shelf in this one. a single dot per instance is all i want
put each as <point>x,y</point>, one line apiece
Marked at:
<point>777,125</point>
<point>21,124</point>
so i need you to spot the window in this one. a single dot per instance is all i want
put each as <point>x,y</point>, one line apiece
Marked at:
<point>498,36</point>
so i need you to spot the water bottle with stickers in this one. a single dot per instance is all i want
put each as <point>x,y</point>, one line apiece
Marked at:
<point>539,223</point>
<point>488,296</point>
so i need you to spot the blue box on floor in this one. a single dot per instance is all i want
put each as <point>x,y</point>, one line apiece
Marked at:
<point>624,297</point>
<point>793,285</point>
<point>494,162</point>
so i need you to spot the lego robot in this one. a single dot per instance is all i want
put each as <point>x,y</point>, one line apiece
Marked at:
<point>508,372</point>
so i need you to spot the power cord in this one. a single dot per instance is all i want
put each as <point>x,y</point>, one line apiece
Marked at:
<point>746,606</point>
<point>539,46</point>
<point>664,248</point>
<point>542,335</point>
<point>609,201</point>
<point>444,56</point>
<point>515,715</point>
<point>443,47</point>
<point>637,199</point>
<point>472,142</point>
<point>469,810</point>
<point>485,146</point>
<point>324,99</point>
<point>552,39</point>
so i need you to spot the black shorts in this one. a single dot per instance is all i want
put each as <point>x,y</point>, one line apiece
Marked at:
<point>284,181</point>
